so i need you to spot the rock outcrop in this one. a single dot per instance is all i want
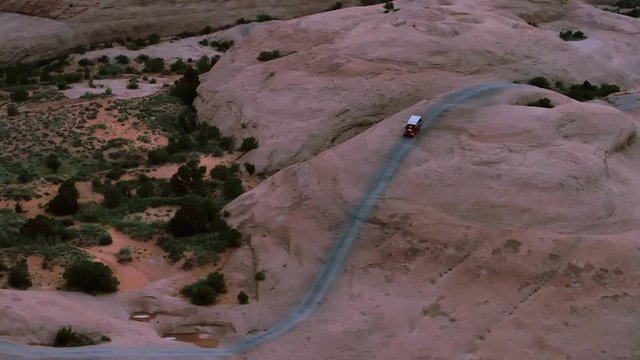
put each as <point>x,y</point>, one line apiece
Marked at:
<point>88,21</point>
<point>507,232</point>
<point>346,70</point>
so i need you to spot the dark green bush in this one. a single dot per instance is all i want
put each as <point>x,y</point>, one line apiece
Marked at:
<point>12,110</point>
<point>243,298</point>
<point>544,103</point>
<point>179,66</point>
<point>230,237</point>
<point>153,39</point>
<point>122,59</point>
<point>90,277</point>
<point>189,179</point>
<point>158,156</point>
<point>124,255</point>
<point>145,189</point>
<point>67,337</point>
<point>221,172</point>
<point>66,201</point>
<point>155,65</point>
<point>227,143</point>
<point>113,197</point>
<point>19,95</point>
<point>19,276</point>
<point>205,291</point>
<point>132,84</point>
<point>263,17</point>
<point>92,234</point>
<point>40,226</point>
<point>185,87</point>
<point>249,144</point>
<point>190,219</point>
<point>570,35</point>
<point>221,45</point>
<point>25,176</point>
<point>251,169</point>
<point>269,55</point>
<point>232,188</point>
<point>261,276</point>
<point>52,162</point>
<point>540,81</point>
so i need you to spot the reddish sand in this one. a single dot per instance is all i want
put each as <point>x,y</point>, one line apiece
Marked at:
<point>44,278</point>
<point>209,161</point>
<point>123,130</point>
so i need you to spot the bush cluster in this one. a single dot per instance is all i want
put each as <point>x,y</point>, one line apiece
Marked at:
<point>221,45</point>
<point>570,35</point>
<point>544,103</point>
<point>185,87</point>
<point>90,277</point>
<point>67,337</point>
<point>66,201</point>
<point>269,55</point>
<point>205,291</point>
<point>582,91</point>
<point>249,144</point>
<point>19,276</point>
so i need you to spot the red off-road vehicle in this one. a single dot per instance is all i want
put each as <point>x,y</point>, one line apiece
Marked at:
<point>413,126</point>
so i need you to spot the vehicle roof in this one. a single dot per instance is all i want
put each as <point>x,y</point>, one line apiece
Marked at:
<point>413,120</point>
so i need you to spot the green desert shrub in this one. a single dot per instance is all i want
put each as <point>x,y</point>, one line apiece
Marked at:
<point>19,276</point>
<point>66,201</point>
<point>52,162</point>
<point>189,179</point>
<point>90,277</point>
<point>40,226</point>
<point>232,188</point>
<point>19,95</point>
<point>251,169</point>
<point>205,291</point>
<point>261,276</point>
<point>190,219</point>
<point>544,103</point>
<point>185,87</point>
<point>67,337</point>
<point>93,234</point>
<point>249,144</point>
<point>221,45</point>
<point>12,110</point>
<point>540,81</point>
<point>570,35</point>
<point>221,172</point>
<point>269,55</point>
<point>124,255</point>
<point>243,298</point>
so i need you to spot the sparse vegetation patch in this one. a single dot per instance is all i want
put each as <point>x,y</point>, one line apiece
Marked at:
<point>570,35</point>
<point>205,291</point>
<point>584,91</point>
<point>543,102</point>
<point>67,337</point>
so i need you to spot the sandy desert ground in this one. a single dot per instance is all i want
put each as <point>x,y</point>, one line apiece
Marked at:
<point>509,231</point>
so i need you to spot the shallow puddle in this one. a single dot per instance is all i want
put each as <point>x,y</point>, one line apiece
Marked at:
<point>142,316</point>
<point>201,340</point>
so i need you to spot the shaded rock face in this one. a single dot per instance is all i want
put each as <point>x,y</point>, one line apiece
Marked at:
<point>346,70</point>
<point>87,21</point>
